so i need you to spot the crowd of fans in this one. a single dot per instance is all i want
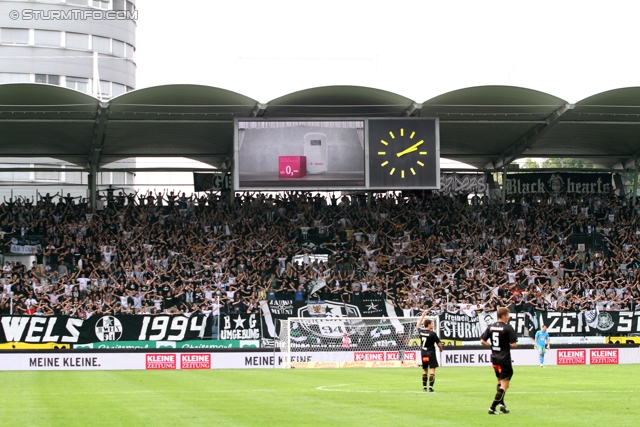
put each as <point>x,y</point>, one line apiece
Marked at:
<point>160,252</point>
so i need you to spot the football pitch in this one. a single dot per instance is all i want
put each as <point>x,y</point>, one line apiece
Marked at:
<point>553,396</point>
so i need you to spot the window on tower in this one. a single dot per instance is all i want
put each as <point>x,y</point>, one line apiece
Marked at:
<point>48,79</point>
<point>77,41</point>
<point>101,44</point>
<point>14,35</point>
<point>101,4</point>
<point>47,38</point>
<point>78,83</point>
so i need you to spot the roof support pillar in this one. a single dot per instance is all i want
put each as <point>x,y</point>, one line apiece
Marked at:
<point>259,110</point>
<point>527,140</point>
<point>93,179</point>
<point>232,186</point>
<point>411,110</point>
<point>504,186</point>
<point>635,185</point>
<point>630,163</point>
<point>97,142</point>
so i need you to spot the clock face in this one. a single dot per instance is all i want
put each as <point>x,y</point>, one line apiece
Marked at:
<point>403,153</point>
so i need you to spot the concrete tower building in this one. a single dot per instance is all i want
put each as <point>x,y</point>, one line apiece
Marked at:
<point>55,42</point>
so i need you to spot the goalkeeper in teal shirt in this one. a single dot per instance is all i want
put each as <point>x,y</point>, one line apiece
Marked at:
<point>542,343</point>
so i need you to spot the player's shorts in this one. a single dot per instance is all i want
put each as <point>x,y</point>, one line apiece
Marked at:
<point>503,372</point>
<point>541,348</point>
<point>429,361</point>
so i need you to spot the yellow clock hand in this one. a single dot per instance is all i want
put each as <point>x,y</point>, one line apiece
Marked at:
<point>407,151</point>
<point>411,149</point>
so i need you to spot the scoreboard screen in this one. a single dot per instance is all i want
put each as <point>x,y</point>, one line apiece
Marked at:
<point>303,154</point>
<point>336,154</point>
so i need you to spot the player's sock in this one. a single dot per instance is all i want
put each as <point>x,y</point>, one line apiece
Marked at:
<point>504,392</point>
<point>498,387</point>
<point>424,380</point>
<point>497,399</point>
<point>541,360</point>
<point>503,406</point>
<point>432,380</point>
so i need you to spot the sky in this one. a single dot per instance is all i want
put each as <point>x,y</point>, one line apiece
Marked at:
<point>415,48</point>
<point>418,49</point>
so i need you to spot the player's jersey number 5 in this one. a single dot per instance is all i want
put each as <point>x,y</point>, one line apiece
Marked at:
<point>495,341</point>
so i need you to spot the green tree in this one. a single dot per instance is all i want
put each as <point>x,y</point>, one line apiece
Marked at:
<point>529,163</point>
<point>568,163</point>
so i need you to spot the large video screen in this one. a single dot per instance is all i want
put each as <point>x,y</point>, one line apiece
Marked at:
<point>337,154</point>
<point>299,154</point>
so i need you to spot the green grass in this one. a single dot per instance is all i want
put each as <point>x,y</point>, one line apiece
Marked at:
<point>554,396</point>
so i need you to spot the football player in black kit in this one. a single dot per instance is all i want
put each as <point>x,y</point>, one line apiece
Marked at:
<point>501,338</point>
<point>428,352</point>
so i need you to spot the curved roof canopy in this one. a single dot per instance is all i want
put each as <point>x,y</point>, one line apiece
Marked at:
<point>486,127</point>
<point>339,101</point>
<point>604,127</point>
<point>174,121</point>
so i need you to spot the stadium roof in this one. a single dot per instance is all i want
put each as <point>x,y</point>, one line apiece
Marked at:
<point>487,127</point>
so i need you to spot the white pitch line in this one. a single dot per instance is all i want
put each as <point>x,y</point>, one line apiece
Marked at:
<point>337,389</point>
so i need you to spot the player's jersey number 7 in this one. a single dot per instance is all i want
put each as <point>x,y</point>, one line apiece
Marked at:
<point>424,343</point>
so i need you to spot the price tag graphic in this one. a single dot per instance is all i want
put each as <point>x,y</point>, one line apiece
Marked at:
<point>292,166</point>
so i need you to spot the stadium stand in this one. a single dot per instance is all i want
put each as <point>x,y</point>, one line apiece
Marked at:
<point>152,253</point>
